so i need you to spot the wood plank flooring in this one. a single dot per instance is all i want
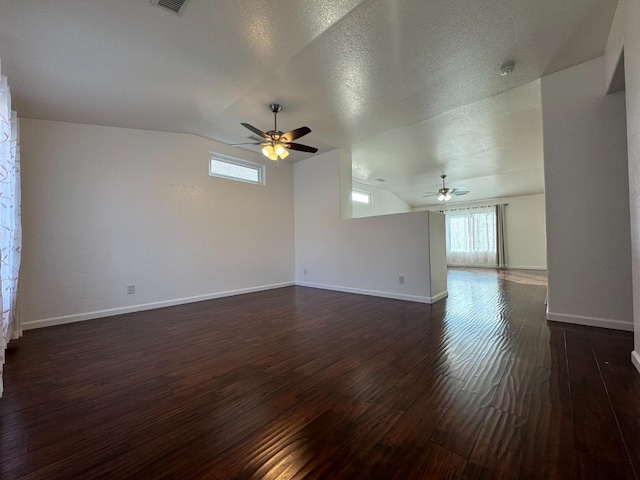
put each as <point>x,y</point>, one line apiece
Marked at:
<point>302,383</point>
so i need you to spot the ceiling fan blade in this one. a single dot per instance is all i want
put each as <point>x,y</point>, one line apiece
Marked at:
<point>430,195</point>
<point>256,131</point>
<point>301,148</point>
<point>459,192</point>
<point>294,134</point>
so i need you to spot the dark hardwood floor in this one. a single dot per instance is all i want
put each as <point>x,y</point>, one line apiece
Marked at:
<point>303,383</point>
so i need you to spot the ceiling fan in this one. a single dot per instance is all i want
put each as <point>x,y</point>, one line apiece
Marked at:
<point>445,193</point>
<point>276,143</point>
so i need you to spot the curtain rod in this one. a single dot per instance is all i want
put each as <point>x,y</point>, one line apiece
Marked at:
<point>471,208</point>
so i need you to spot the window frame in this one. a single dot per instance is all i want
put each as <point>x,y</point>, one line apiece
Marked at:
<point>258,167</point>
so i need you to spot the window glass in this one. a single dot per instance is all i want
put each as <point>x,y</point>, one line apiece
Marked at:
<point>236,169</point>
<point>358,196</point>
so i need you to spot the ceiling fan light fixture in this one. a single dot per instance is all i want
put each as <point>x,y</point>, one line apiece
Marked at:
<point>279,149</point>
<point>444,194</point>
<point>275,151</point>
<point>267,151</point>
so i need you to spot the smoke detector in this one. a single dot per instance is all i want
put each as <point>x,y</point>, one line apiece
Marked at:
<point>507,68</point>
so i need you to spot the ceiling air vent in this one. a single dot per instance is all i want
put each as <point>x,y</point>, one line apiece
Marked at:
<point>255,138</point>
<point>176,6</point>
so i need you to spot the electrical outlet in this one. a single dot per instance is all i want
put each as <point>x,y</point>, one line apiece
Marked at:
<point>401,279</point>
<point>305,271</point>
<point>131,289</point>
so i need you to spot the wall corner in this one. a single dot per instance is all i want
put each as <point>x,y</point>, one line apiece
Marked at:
<point>346,182</point>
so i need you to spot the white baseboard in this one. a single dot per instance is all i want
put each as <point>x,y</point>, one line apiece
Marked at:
<point>439,296</point>
<point>493,267</point>
<point>524,267</point>
<point>373,293</point>
<point>635,359</point>
<point>454,265</point>
<point>48,322</point>
<point>590,321</point>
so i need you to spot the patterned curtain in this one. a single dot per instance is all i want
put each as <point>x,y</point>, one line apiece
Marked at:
<point>10,226</point>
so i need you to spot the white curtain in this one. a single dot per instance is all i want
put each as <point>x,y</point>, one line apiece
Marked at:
<point>471,237</point>
<point>10,226</point>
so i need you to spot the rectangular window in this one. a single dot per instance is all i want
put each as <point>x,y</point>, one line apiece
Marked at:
<point>471,237</point>
<point>231,168</point>
<point>358,196</point>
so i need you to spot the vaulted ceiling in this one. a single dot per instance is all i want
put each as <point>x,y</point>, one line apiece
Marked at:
<point>410,86</point>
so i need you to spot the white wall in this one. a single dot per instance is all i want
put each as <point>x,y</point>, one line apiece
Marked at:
<point>525,234</point>
<point>105,207</point>
<point>382,202</point>
<point>437,255</point>
<point>632,82</point>
<point>587,199</point>
<point>361,255</point>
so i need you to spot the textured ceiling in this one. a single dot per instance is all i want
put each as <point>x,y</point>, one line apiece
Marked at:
<point>492,147</point>
<point>350,70</point>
